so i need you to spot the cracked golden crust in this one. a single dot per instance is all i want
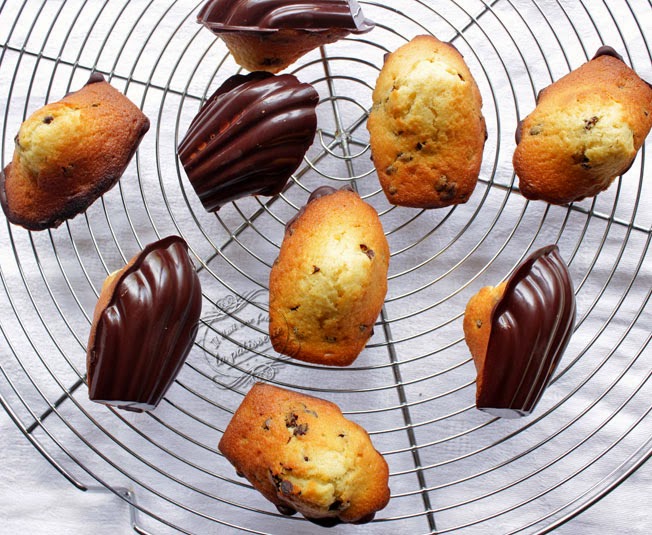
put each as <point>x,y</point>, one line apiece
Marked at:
<point>273,52</point>
<point>426,128</point>
<point>585,131</point>
<point>329,282</point>
<point>301,453</point>
<point>477,324</point>
<point>68,153</point>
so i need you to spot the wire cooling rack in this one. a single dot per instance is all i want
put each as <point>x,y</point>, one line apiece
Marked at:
<point>453,468</point>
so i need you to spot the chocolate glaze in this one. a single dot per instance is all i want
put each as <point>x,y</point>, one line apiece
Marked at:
<point>274,15</point>
<point>249,137</point>
<point>321,191</point>
<point>147,329</point>
<point>607,51</point>
<point>531,326</point>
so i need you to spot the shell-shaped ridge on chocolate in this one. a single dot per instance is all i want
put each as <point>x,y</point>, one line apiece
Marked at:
<point>141,338</point>
<point>249,137</point>
<point>531,326</point>
<point>272,15</point>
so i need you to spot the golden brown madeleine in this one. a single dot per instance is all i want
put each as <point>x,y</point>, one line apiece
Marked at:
<point>303,455</point>
<point>584,132</point>
<point>69,153</point>
<point>269,35</point>
<point>144,325</point>
<point>426,128</point>
<point>518,331</point>
<point>329,282</point>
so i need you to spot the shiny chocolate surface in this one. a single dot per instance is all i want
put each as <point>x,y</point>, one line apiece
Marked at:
<point>273,15</point>
<point>146,330</point>
<point>531,326</point>
<point>249,137</point>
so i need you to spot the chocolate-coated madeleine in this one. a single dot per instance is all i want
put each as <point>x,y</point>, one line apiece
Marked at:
<point>68,153</point>
<point>518,331</point>
<point>269,35</point>
<point>249,137</point>
<point>144,325</point>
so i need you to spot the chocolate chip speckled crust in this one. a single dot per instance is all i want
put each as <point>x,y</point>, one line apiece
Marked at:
<point>249,137</point>
<point>269,16</point>
<point>531,326</point>
<point>68,153</point>
<point>144,326</point>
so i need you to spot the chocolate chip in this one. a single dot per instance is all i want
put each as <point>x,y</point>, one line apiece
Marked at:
<point>420,145</point>
<point>305,458</point>
<point>536,130</point>
<point>325,522</point>
<point>607,51</point>
<point>286,511</point>
<point>291,419</point>
<point>590,123</point>
<point>48,119</point>
<point>300,430</point>
<point>447,190</point>
<point>331,339</point>
<point>266,424</point>
<point>581,159</point>
<point>390,170</point>
<point>270,62</point>
<point>315,269</point>
<point>369,252</point>
<point>478,323</point>
<point>336,505</point>
<point>286,487</point>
